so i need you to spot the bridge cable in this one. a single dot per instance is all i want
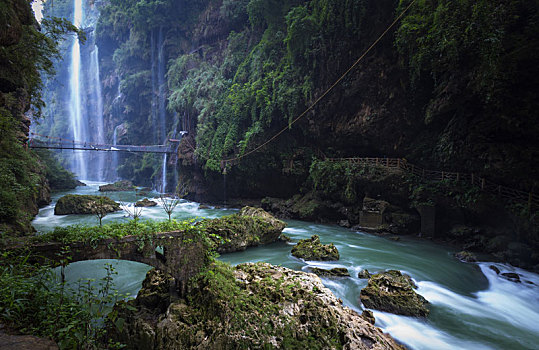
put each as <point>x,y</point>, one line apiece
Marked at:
<point>225,161</point>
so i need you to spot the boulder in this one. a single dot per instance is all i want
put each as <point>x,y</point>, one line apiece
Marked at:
<point>123,185</point>
<point>495,269</point>
<point>511,276</point>
<point>335,272</point>
<point>250,306</point>
<point>84,204</point>
<point>312,249</point>
<point>250,227</point>
<point>145,203</point>
<point>391,291</point>
<point>285,238</point>
<point>364,274</point>
<point>465,256</point>
<point>368,316</point>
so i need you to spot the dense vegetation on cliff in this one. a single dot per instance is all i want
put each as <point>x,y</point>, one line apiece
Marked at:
<point>27,51</point>
<point>452,86</point>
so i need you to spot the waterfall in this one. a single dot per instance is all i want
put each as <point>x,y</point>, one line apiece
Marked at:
<point>161,96</point>
<point>98,112</point>
<point>164,174</point>
<point>75,111</point>
<point>115,154</point>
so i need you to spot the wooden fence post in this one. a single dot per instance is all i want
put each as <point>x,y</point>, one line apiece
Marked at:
<point>472,179</point>
<point>442,176</point>
<point>398,163</point>
<point>483,184</point>
<point>458,177</point>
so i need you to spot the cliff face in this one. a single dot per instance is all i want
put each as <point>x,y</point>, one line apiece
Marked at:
<point>233,73</point>
<point>23,186</point>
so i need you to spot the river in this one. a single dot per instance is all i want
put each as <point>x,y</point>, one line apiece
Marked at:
<point>471,306</point>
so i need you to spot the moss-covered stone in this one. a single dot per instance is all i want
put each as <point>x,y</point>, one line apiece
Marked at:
<point>393,292</point>
<point>84,204</point>
<point>466,256</point>
<point>250,306</point>
<point>312,249</point>
<point>250,227</point>
<point>364,274</point>
<point>335,272</point>
<point>145,203</point>
<point>118,186</point>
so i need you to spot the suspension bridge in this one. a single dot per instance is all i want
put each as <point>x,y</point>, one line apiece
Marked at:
<point>49,142</point>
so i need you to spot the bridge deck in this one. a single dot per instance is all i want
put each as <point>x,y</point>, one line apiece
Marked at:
<point>87,146</point>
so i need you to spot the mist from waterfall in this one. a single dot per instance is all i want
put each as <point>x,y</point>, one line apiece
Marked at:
<point>77,123</point>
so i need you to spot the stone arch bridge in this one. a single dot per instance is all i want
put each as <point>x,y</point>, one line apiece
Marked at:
<point>183,255</point>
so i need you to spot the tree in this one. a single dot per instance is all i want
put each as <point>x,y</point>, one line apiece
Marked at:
<point>100,209</point>
<point>169,204</point>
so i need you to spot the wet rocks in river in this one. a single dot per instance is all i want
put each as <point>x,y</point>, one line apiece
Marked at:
<point>312,249</point>
<point>511,276</point>
<point>285,238</point>
<point>250,227</point>
<point>391,291</point>
<point>118,186</point>
<point>145,203</point>
<point>495,269</point>
<point>466,256</point>
<point>364,274</point>
<point>335,272</point>
<point>84,204</point>
<point>250,306</point>
<point>368,316</point>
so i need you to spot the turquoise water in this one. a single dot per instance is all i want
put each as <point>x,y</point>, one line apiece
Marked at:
<point>471,307</point>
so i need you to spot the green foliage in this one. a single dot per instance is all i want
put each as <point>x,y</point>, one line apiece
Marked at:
<point>91,234</point>
<point>339,180</point>
<point>26,53</point>
<point>59,178</point>
<point>20,178</point>
<point>35,300</point>
<point>251,310</point>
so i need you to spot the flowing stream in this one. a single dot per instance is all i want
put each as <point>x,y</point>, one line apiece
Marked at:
<point>471,306</point>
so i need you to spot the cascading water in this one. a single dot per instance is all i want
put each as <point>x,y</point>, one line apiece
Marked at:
<point>161,95</point>
<point>78,125</point>
<point>99,137</point>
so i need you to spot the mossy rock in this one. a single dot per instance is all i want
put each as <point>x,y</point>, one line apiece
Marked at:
<point>145,203</point>
<point>391,291</point>
<point>364,274</point>
<point>312,249</point>
<point>250,227</point>
<point>335,272</point>
<point>250,306</point>
<point>466,256</point>
<point>118,186</point>
<point>84,204</point>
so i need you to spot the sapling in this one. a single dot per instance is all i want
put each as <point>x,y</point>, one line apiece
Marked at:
<point>100,210</point>
<point>169,204</point>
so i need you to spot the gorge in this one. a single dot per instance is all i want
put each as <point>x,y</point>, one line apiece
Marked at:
<point>431,134</point>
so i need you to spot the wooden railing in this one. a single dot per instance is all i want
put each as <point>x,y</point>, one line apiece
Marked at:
<point>528,198</point>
